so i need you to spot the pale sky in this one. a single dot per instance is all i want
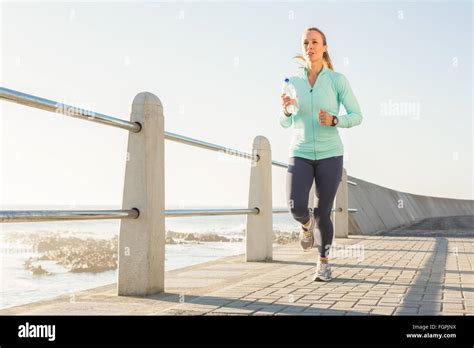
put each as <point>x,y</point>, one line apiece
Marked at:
<point>218,69</point>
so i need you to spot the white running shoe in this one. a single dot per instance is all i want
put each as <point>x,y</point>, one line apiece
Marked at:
<point>323,272</point>
<point>306,234</point>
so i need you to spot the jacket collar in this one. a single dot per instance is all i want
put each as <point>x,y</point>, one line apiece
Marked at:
<point>322,72</point>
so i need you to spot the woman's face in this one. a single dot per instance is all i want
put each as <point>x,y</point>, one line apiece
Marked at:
<point>313,46</point>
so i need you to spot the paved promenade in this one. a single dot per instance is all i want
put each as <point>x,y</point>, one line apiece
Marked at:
<point>391,274</point>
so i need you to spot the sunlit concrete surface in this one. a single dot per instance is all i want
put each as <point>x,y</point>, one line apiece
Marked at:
<point>423,269</point>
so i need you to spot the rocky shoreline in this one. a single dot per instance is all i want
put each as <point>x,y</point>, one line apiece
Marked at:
<point>99,255</point>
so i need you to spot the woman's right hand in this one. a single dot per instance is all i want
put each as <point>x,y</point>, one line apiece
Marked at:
<point>286,101</point>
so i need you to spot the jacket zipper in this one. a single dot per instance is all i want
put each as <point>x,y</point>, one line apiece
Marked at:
<point>312,111</point>
<point>312,119</point>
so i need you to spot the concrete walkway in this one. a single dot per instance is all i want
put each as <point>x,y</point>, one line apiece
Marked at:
<point>384,275</point>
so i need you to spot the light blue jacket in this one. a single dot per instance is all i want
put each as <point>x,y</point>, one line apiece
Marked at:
<point>311,140</point>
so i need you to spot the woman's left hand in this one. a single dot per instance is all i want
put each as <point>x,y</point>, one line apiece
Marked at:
<point>324,118</point>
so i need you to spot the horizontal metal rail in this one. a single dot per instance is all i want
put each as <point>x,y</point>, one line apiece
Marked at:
<point>68,110</point>
<point>49,215</point>
<point>15,216</point>
<point>12,216</point>
<point>276,211</point>
<point>209,146</point>
<point>204,212</point>
<point>209,212</point>
<point>280,210</point>
<point>280,164</point>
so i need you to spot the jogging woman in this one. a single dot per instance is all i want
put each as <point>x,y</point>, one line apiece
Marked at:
<point>316,150</point>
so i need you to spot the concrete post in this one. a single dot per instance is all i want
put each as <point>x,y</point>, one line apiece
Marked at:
<point>142,241</point>
<point>341,215</point>
<point>259,234</point>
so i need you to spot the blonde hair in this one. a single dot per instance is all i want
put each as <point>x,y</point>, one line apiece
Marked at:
<point>326,59</point>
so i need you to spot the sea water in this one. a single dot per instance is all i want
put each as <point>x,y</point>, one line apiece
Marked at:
<point>19,286</point>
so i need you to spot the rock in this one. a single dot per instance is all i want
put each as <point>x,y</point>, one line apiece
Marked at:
<point>75,254</point>
<point>38,270</point>
<point>34,269</point>
<point>212,238</point>
<point>170,240</point>
<point>285,237</point>
<point>97,255</point>
<point>44,258</point>
<point>179,237</point>
<point>44,246</point>
<point>189,237</point>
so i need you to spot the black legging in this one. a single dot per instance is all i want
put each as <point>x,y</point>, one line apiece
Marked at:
<point>327,174</point>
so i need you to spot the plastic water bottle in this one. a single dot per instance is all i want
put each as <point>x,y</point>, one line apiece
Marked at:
<point>290,91</point>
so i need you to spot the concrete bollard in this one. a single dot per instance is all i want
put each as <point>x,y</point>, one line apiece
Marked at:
<point>341,215</point>
<point>141,253</point>
<point>259,233</point>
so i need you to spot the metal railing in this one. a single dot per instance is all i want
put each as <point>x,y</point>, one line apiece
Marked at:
<point>209,212</point>
<point>208,146</point>
<point>148,108</point>
<point>60,108</point>
<point>16,216</point>
<point>135,127</point>
<point>64,215</point>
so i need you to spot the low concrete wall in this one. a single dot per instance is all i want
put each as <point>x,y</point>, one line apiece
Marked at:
<point>380,208</point>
